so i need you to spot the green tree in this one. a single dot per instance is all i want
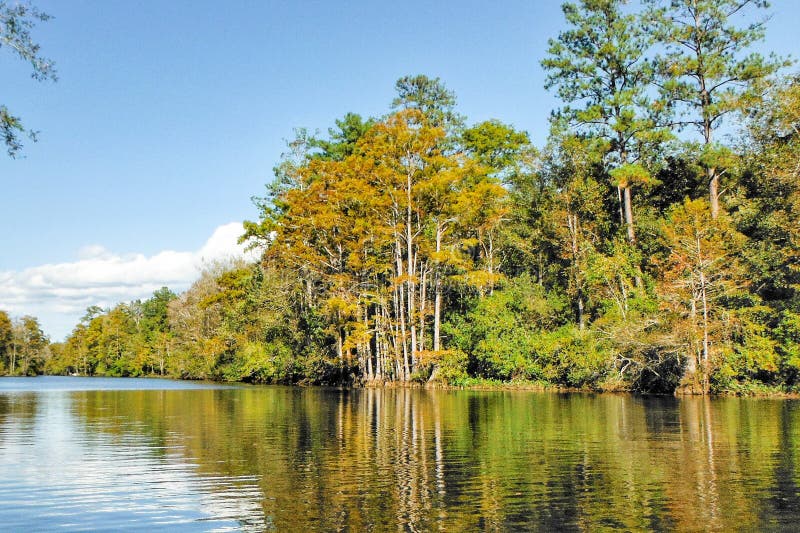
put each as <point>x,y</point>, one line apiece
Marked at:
<point>16,23</point>
<point>769,207</point>
<point>503,334</point>
<point>6,338</point>
<point>155,328</point>
<point>576,220</point>
<point>708,70</point>
<point>196,317</point>
<point>599,66</point>
<point>430,97</point>
<point>31,343</point>
<point>341,141</point>
<point>499,147</point>
<point>702,276</point>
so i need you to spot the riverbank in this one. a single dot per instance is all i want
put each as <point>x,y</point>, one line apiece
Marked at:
<point>745,390</point>
<point>477,384</point>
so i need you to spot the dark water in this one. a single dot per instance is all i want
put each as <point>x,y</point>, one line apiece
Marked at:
<point>159,455</point>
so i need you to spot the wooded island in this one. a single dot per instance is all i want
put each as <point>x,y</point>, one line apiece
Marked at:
<point>652,244</point>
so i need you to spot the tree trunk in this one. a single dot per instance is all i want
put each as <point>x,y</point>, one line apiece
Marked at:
<point>400,312</point>
<point>708,133</point>
<point>705,331</point>
<point>367,345</point>
<point>437,288</point>
<point>410,271</point>
<point>423,300</point>
<point>437,313</point>
<point>572,224</point>
<point>490,263</point>
<point>713,191</point>
<point>378,338</point>
<point>629,215</point>
<point>13,356</point>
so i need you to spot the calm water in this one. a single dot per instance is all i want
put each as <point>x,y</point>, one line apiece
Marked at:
<point>106,454</point>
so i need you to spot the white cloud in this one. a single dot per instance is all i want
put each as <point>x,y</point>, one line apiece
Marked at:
<point>58,294</point>
<point>94,251</point>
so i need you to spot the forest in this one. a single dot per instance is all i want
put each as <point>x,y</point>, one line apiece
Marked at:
<point>651,244</point>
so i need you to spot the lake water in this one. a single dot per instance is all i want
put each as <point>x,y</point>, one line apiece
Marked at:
<point>107,454</point>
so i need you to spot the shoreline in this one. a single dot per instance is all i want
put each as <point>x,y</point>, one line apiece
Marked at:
<point>539,387</point>
<point>487,386</point>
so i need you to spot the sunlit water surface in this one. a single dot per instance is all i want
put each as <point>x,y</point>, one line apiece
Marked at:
<point>106,454</point>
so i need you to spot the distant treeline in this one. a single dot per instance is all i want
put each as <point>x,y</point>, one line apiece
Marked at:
<point>643,247</point>
<point>24,347</point>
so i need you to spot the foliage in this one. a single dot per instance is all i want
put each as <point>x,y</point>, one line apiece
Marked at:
<point>16,23</point>
<point>707,71</point>
<point>24,348</point>
<point>417,247</point>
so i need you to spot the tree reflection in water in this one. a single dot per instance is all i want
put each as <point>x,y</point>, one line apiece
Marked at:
<point>379,459</point>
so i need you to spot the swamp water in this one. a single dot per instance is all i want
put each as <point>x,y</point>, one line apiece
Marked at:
<point>139,454</point>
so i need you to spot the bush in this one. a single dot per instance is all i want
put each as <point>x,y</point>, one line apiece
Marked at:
<point>502,333</point>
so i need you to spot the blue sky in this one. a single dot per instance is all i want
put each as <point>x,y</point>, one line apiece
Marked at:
<point>169,115</point>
